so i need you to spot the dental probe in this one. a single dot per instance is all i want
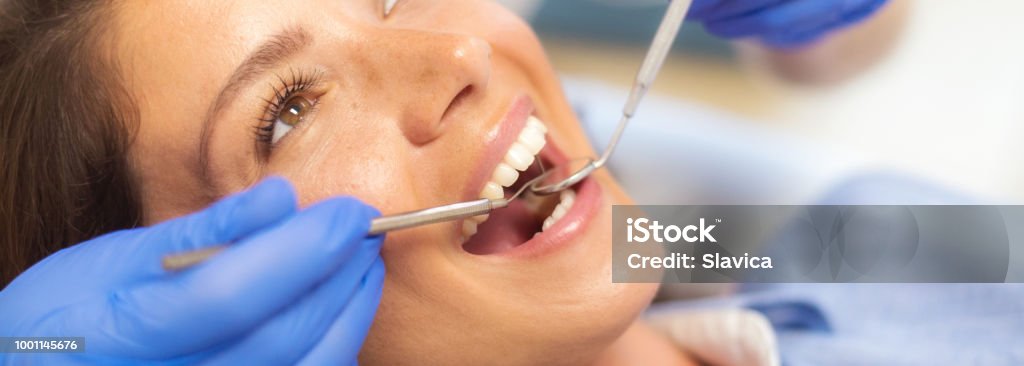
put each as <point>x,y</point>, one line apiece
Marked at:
<point>655,59</point>
<point>380,225</point>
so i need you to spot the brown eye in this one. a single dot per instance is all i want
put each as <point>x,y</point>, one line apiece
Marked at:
<point>295,109</point>
<point>292,112</point>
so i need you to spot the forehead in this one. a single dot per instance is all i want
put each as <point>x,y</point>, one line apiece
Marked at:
<point>176,41</point>
<point>176,55</point>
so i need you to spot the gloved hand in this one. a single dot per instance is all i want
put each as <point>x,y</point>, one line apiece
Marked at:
<point>296,287</point>
<point>780,23</point>
<point>725,337</point>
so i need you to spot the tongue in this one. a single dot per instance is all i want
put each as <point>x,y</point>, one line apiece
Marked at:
<point>506,228</point>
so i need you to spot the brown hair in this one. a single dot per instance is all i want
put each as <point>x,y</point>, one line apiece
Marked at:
<point>65,127</point>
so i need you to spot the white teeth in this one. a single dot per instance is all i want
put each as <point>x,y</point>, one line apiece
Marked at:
<point>505,175</point>
<point>559,211</point>
<point>518,158</point>
<point>492,191</point>
<point>548,222</point>
<point>532,139</point>
<point>567,194</point>
<point>535,122</point>
<point>469,228</point>
<point>566,200</point>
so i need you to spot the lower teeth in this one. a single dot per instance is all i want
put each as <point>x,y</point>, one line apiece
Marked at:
<point>566,200</point>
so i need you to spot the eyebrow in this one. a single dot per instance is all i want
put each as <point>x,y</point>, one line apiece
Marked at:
<point>267,56</point>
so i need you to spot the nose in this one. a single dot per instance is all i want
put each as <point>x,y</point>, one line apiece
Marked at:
<point>427,76</point>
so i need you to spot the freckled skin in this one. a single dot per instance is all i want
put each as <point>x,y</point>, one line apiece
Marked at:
<point>380,132</point>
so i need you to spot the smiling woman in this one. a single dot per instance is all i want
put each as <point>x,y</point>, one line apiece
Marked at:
<point>434,103</point>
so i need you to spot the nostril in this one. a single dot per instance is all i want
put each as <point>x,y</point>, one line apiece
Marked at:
<point>459,98</point>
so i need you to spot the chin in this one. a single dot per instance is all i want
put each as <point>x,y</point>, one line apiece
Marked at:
<point>552,305</point>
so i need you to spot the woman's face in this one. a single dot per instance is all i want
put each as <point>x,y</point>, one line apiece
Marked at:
<point>413,110</point>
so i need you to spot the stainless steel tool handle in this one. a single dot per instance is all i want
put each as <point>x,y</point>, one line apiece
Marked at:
<point>380,225</point>
<point>433,215</point>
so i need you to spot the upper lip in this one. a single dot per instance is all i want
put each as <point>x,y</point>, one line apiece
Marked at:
<point>505,134</point>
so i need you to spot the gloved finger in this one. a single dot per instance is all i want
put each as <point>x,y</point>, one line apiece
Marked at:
<point>852,12</point>
<point>724,9</point>
<point>793,40</point>
<point>699,7</point>
<point>228,220</point>
<point>233,292</point>
<point>801,14</point>
<point>284,339</point>
<point>345,338</point>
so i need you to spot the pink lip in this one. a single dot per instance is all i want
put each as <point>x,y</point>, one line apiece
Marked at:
<point>588,192</point>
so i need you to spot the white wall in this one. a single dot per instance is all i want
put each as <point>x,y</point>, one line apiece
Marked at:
<point>948,104</point>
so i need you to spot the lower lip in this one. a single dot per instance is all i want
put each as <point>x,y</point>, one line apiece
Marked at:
<point>567,230</point>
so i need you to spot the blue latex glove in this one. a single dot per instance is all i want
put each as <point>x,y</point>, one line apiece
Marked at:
<point>780,23</point>
<point>297,287</point>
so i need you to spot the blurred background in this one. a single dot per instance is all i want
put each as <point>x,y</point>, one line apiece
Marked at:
<point>946,104</point>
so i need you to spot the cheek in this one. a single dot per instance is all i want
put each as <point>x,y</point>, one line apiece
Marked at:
<point>344,150</point>
<point>337,167</point>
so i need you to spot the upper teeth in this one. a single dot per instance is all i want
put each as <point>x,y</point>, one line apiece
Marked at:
<point>519,157</point>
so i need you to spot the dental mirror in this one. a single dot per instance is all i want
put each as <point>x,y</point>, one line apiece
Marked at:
<point>660,47</point>
<point>564,176</point>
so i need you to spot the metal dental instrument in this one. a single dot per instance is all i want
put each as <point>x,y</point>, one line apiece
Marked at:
<point>380,225</point>
<point>660,47</point>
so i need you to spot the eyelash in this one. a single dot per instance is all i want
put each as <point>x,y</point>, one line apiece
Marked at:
<point>296,83</point>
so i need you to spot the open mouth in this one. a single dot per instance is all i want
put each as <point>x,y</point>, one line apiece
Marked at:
<point>527,216</point>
